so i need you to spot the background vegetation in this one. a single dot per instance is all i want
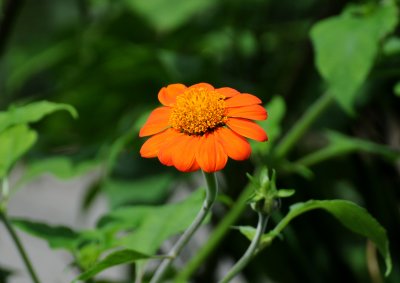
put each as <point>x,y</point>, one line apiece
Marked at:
<point>108,59</point>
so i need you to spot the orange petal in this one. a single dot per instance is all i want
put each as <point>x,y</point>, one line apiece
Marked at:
<point>167,95</point>
<point>244,99</point>
<point>157,122</point>
<point>152,146</point>
<point>183,156</point>
<point>247,128</point>
<point>168,148</point>
<point>209,154</point>
<point>253,112</point>
<point>202,85</point>
<point>194,167</point>
<point>227,91</point>
<point>235,146</point>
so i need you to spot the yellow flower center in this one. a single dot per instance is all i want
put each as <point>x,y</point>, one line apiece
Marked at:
<point>197,111</point>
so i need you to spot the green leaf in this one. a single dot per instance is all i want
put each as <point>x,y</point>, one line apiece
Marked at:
<point>340,144</point>
<point>352,216</point>
<point>31,64</point>
<point>276,109</point>
<point>152,225</point>
<point>168,15</point>
<point>5,274</point>
<point>58,237</point>
<point>249,232</point>
<point>284,193</point>
<point>145,190</point>
<point>397,89</point>
<point>392,46</point>
<point>120,143</point>
<point>32,112</point>
<point>346,46</point>
<point>60,167</point>
<point>116,258</point>
<point>14,142</point>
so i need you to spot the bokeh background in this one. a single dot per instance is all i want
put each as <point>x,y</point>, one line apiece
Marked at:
<point>109,59</point>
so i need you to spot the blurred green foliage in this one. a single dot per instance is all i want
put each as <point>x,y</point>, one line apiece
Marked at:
<point>108,59</point>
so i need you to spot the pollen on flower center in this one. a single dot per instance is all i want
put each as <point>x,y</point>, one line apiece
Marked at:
<point>197,111</point>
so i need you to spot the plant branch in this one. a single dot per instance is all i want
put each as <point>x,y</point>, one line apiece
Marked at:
<point>7,20</point>
<point>298,130</point>
<point>20,248</point>
<point>217,236</point>
<point>245,259</point>
<point>211,194</point>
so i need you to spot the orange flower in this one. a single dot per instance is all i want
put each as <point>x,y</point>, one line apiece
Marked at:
<point>200,126</point>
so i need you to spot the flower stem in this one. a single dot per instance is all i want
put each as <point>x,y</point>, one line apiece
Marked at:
<point>217,236</point>
<point>211,194</point>
<point>20,248</point>
<point>297,131</point>
<point>244,260</point>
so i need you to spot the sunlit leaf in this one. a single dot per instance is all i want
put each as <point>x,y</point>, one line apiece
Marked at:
<point>14,142</point>
<point>116,258</point>
<point>58,237</point>
<point>346,46</point>
<point>32,112</point>
<point>152,225</point>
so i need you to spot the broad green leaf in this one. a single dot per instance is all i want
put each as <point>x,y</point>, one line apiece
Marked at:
<point>60,167</point>
<point>397,89</point>
<point>352,216</point>
<point>168,15</point>
<point>14,142</point>
<point>58,237</point>
<point>145,190</point>
<point>152,225</point>
<point>86,246</point>
<point>340,144</point>
<point>32,112</point>
<point>276,109</point>
<point>116,258</point>
<point>346,46</point>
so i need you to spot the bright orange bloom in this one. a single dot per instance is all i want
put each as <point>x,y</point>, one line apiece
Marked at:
<point>200,126</point>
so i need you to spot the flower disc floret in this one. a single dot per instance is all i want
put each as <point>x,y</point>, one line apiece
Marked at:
<point>198,111</point>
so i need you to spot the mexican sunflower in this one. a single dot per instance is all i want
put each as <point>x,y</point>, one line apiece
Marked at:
<point>200,126</point>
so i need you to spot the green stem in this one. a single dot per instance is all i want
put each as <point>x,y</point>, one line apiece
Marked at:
<point>298,130</point>
<point>211,194</point>
<point>20,248</point>
<point>245,259</point>
<point>5,191</point>
<point>217,236</point>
